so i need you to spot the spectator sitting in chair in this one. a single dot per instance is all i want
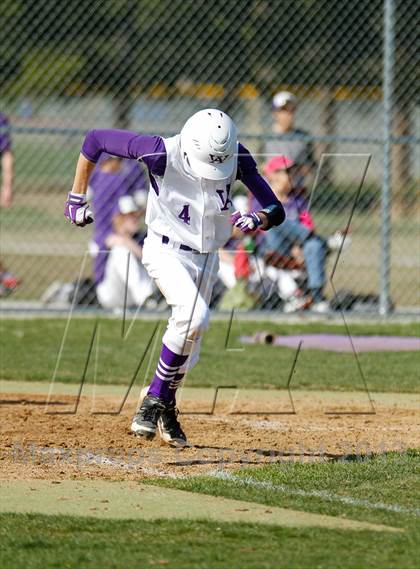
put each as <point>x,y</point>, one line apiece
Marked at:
<point>122,278</point>
<point>240,258</point>
<point>296,230</point>
<point>112,178</point>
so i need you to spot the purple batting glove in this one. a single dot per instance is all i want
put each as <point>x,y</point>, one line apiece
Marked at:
<point>77,210</point>
<point>247,222</point>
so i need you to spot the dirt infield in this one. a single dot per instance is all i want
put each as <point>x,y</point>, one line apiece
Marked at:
<point>247,428</point>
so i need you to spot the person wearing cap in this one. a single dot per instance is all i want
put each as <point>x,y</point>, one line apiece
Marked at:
<point>124,280</point>
<point>284,107</point>
<point>297,230</point>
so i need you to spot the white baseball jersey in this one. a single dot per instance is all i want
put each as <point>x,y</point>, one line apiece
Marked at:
<point>189,209</point>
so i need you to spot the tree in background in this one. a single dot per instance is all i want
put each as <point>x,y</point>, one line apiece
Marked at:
<point>54,48</point>
<point>406,97</point>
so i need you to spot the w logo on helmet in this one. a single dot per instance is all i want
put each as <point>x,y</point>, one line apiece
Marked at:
<point>218,159</point>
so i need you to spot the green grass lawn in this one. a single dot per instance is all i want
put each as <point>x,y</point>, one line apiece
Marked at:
<point>380,489</point>
<point>45,161</point>
<point>30,349</point>
<point>35,541</point>
<point>385,480</point>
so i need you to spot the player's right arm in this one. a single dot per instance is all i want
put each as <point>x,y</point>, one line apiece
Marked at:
<point>121,143</point>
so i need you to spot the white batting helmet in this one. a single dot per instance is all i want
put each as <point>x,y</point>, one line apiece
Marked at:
<point>209,144</point>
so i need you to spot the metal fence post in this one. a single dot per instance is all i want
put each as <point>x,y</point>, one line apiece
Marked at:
<point>388,77</point>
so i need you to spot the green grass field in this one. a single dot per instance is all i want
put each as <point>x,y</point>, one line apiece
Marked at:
<point>30,350</point>
<point>381,489</point>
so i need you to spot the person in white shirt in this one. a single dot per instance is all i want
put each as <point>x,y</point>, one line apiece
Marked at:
<point>125,280</point>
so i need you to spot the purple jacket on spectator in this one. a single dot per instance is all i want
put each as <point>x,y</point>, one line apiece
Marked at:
<point>296,208</point>
<point>296,205</point>
<point>5,141</point>
<point>106,189</point>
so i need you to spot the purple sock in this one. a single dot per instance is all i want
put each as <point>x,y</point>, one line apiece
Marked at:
<point>167,377</point>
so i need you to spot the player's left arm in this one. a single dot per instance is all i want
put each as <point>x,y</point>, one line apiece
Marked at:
<point>272,212</point>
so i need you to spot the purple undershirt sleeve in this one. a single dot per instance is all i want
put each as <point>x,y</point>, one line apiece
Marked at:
<point>249,175</point>
<point>126,144</point>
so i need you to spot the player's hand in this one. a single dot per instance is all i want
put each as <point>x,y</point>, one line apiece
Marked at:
<point>77,211</point>
<point>247,222</point>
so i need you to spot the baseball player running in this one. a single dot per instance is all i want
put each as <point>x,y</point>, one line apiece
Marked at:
<point>189,217</point>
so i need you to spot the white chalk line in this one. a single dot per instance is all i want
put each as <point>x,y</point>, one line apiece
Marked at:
<point>89,458</point>
<point>99,459</point>
<point>324,495</point>
<point>92,459</point>
<point>150,470</point>
<point>249,481</point>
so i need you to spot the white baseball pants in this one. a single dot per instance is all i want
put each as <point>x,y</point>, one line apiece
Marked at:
<point>186,280</point>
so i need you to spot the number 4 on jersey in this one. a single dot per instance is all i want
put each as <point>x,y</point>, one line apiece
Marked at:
<point>185,214</point>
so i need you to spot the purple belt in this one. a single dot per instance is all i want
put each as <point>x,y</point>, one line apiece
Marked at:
<point>165,241</point>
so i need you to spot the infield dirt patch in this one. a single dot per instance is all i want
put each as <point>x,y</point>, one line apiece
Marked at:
<point>38,444</point>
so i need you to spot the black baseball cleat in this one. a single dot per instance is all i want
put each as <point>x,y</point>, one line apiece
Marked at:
<point>146,419</point>
<point>170,430</point>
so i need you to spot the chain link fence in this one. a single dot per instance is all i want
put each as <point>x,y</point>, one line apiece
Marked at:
<point>147,65</point>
